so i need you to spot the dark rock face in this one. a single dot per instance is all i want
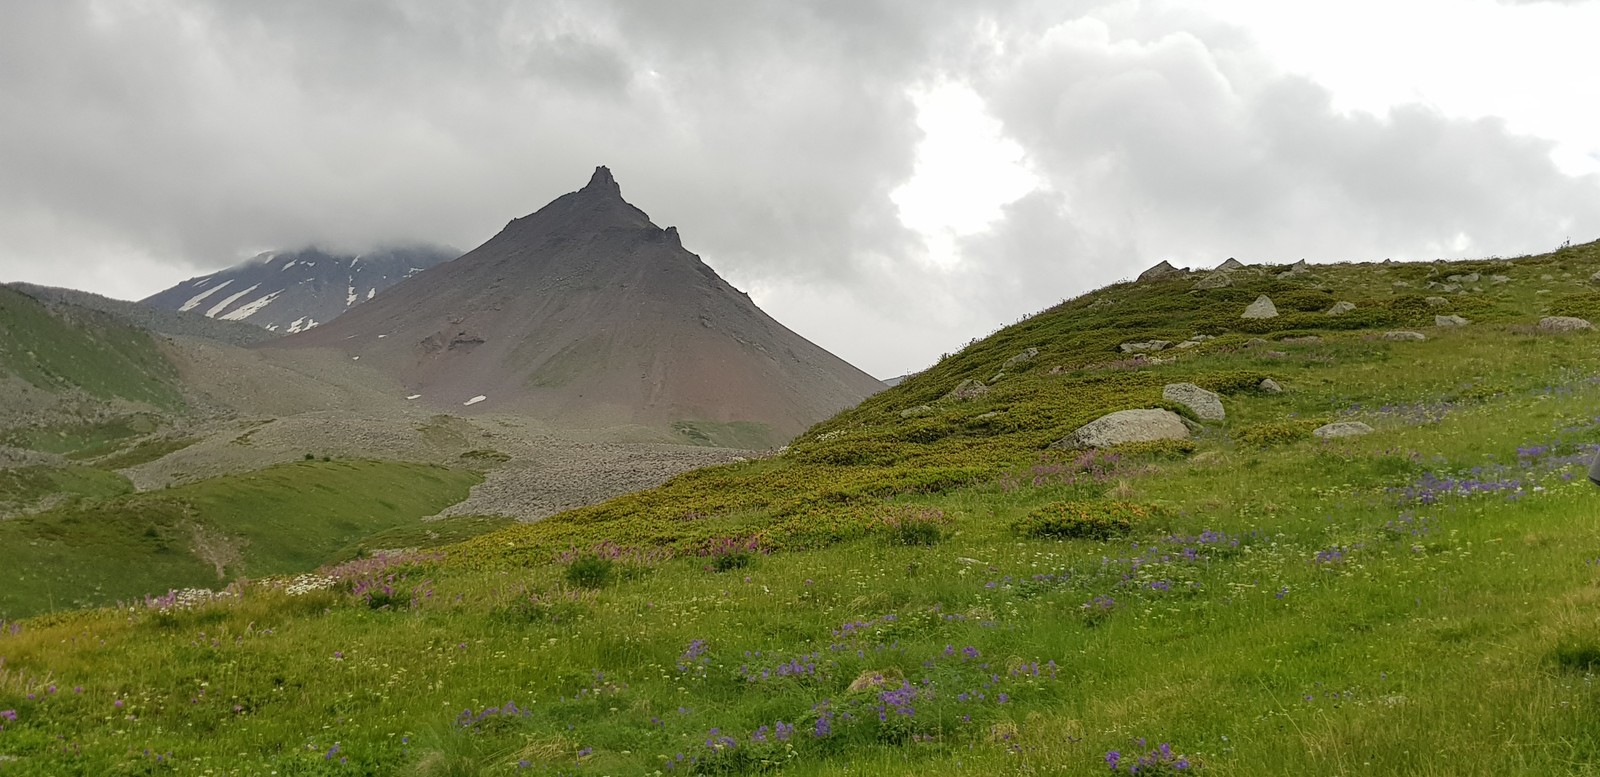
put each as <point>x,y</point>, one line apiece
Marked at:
<point>586,314</point>
<point>292,291</point>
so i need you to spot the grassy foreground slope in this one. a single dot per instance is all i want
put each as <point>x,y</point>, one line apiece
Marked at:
<point>951,598</point>
<point>283,519</point>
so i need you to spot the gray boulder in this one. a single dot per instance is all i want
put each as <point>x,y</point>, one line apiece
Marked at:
<point>968,389</point>
<point>1564,324</point>
<point>1450,321</point>
<point>1341,307</point>
<point>1342,429</point>
<point>1163,270</point>
<point>1261,308</point>
<point>1504,278</point>
<point>1595,277</point>
<point>1026,355</point>
<point>1125,426</point>
<point>1148,345</point>
<point>1207,406</point>
<point>1215,280</point>
<point>1269,386</point>
<point>1403,336</point>
<point>1230,265</point>
<point>1437,302</point>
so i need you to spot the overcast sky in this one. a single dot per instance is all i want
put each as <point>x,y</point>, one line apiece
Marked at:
<point>889,178</point>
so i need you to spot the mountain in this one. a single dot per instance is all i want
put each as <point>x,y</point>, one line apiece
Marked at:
<point>291,291</point>
<point>586,314</point>
<point>160,320</point>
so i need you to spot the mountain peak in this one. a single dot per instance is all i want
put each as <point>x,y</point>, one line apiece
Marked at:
<point>602,182</point>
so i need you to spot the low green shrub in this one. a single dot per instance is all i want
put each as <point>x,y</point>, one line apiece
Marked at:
<point>1273,433</point>
<point>1081,520</point>
<point>590,571</point>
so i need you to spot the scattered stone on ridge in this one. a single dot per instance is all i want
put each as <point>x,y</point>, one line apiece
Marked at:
<point>998,376</point>
<point>1269,386</point>
<point>1451,320</point>
<point>1404,335</point>
<point>1148,345</point>
<point>968,389</point>
<point>915,412</point>
<point>1470,277</point>
<point>1230,265</point>
<point>1341,307</point>
<point>1342,429</point>
<point>1595,277</point>
<point>1215,280</point>
<point>1547,277</point>
<point>1163,270</point>
<point>1186,344</point>
<point>1437,302</point>
<point>1563,324</point>
<point>1261,308</point>
<point>1026,355</point>
<point>1207,406</point>
<point>1125,426</point>
<point>1505,278</point>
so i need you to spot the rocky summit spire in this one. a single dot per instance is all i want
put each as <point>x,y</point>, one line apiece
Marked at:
<point>586,315</point>
<point>602,183</point>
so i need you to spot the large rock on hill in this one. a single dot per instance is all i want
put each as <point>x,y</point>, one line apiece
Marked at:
<point>1261,308</point>
<point>1125,426</point>
<point>1207,406</point>
<point>291,291</point>
<point>1160,271</point>
<point>586,314</point>
<point>1564,324</point>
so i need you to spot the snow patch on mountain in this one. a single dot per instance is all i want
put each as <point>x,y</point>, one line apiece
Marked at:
<point>223,305</point>
<point>196,300</point>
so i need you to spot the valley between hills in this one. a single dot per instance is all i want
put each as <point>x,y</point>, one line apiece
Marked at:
<point>571,504</point>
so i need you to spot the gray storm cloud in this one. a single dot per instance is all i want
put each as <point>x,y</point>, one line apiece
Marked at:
<point>144,142</point>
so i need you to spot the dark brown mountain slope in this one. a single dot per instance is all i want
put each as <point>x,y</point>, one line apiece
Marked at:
<point>585,314</point>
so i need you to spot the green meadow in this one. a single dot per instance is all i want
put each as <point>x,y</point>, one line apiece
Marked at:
<point>922,585</point>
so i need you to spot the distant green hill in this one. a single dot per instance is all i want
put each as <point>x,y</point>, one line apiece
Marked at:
<point>77,349</point>
<point>280,520</point>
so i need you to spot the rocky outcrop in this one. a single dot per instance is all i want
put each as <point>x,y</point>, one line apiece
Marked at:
<point>1026,356</point>
<point>968,389</point>
<point>1146,346</point>
<point>1230,265</point>
<point>1261,308</point>
<point>1403,336</point>
<point>1341,307</point>
<point>1126,426</point>
<point>1448,321</point>
<point>1215,280</point>
<point>1207,406</point>
<point>1160,271</point>
<point>1564,324</point>
<point>1340,429</point>
<point>1269,386</point>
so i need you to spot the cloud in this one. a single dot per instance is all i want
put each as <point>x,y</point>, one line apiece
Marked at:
<point>141,142</point>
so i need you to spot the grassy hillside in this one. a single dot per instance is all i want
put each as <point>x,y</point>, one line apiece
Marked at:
<point>935,592</point>
<point>81,349</point>
<point>280,520</point>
